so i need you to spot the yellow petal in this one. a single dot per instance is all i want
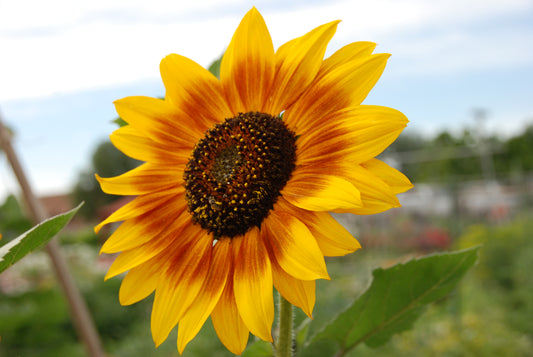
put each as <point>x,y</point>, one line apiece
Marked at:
<point>140,281</point>
<point>294,247</point>
<point>297,63</point>
<point>253,284</point>
<point>159,120</point>
<point>208,296</point>
<point>139,230</point>
<point>298,292</point>
<point>342,87</point>
<point>247,68</point>
<point>327,145</point>
<point>373,129</point>
<point>356,77</point>
<point>194,91</point>
<point>372,186</point>
<point>351,52</point>
<point>376,195</point>
<point>332,238</point>
<point>354,134</point>
<point>129,259</point>
<point>397,181</point>
<point>133,257</point>
<point>228,324</point>
<point>181,281</point>
<point>135,144</point>
<point>139,206</point>
<point>320,192</point>
<point>371,206</point>
<point>141,180</point>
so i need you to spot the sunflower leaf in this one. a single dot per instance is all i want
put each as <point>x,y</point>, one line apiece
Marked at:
<point>120,122</point>
<point>394,300</point>
<point>214,67</point>
<point>34,238</point>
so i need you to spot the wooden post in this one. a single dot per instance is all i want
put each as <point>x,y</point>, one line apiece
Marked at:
<point>80,314</point>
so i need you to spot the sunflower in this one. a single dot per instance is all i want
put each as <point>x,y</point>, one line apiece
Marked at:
<point>240,176</point>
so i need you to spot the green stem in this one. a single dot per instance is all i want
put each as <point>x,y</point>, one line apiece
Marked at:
<point>284,345</point>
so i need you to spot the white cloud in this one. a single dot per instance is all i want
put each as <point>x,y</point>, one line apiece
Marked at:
<point>458,52</point>
<point>61,46</point>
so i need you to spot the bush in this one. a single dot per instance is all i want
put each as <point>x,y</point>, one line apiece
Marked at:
<point>506,263</point>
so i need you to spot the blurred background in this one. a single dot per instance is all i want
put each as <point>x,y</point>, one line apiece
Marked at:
<point>461,71</point>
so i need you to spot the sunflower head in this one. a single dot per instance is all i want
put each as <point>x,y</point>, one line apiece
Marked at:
<point>239,178</point>
<point>237,171</point>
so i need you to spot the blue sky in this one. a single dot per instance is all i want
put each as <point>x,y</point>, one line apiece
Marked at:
<point>62,63</point>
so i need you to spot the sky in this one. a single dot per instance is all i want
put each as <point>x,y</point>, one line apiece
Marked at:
<point>64,62</point>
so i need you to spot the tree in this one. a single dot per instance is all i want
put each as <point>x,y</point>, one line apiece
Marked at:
<point>13,222</point>
<point>518,152</point>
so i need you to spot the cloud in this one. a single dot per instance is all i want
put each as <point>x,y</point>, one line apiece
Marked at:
<point>62,46</point>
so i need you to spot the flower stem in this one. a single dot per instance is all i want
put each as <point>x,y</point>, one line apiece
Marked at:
<point>284,345</point>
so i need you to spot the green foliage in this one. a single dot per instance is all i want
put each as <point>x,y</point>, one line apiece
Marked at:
<point>12,220</point>
<point>107,161</point>
<point>397,296</point>
<point>507,263</point>
<point>114,322</point>
<point>35,238</point>
<point>407,142</point>
<point>443,158</point>
<point>120,122</point>
<point>83,235</point>
<point>302,331</point>
<point>258,349</point>
<point>214,67</point>
<point>36,324</point>
<point>518,152</point>
<point>450,157</point>
<point>470,323</point>
<point>521,298</point>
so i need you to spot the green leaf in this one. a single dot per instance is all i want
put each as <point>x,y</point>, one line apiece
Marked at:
<point>120,122</point>
<point>259,348</point>
<point>33,239</point>
<point>215,67</point>
<point>301,331</point>
<point>395,299</point>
